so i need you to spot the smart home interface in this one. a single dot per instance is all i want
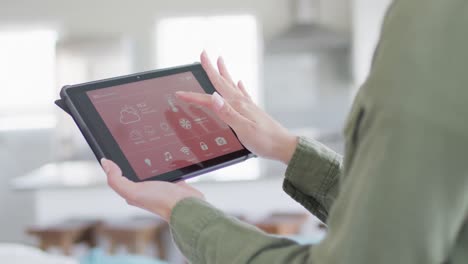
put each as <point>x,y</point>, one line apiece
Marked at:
<point>157,132</point>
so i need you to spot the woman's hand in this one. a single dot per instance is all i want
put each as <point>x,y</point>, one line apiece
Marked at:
<point>155,196</point>
<point>260,133</point>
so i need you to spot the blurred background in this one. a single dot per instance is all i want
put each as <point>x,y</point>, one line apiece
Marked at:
<point>301,60</point>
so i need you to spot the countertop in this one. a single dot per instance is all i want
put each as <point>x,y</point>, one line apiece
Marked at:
<point>69,174</point>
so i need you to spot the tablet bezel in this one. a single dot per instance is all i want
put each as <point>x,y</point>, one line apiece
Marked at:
<point>84,112</point>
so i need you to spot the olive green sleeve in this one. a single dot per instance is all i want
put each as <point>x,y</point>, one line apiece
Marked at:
<point>312,176</point>
<point>406,204</point>
<point>207,236</point>
<point>311,179</point>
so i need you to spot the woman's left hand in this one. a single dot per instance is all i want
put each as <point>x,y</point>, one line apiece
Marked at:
<point>154,196</point>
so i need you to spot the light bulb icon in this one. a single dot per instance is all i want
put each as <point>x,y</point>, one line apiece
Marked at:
<point>148,162</point>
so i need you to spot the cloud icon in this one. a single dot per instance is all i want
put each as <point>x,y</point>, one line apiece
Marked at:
<point>129,115</point>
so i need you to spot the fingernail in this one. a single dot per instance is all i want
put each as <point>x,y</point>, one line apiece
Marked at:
<point>180,93</point>
<point>218,101</point>
<point>105,164</point>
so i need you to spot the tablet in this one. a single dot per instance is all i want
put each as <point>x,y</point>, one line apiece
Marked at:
<point>138,122</point>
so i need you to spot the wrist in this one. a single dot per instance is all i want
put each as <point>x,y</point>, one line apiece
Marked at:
<point>286,148</point>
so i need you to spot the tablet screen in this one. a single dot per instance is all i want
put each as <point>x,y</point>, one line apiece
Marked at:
<point>157,132</point>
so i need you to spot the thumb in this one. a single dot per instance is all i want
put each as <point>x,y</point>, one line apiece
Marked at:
<point>227,113</point>
<point>123,186</point>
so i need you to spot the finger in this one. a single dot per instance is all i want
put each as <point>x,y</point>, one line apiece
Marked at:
<point>202,99</point>
<point>213,75</point>
<point>182,184</point>
<point>224,71</point>
<point>195,98</point>
<point>228,114</point>
<point>241,87</point>
<point>221,86</point>
<point>121,185</point>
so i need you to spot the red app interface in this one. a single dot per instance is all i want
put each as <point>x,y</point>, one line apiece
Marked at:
<point>157,132</point>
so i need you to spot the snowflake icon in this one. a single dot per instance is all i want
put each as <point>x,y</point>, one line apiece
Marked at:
<point>185,123</point>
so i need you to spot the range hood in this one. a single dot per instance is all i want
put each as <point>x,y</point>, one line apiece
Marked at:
<point>307,34</point>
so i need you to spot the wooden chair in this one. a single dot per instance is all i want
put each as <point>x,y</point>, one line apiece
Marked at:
<point>66,234</point>
<point>136,235</point>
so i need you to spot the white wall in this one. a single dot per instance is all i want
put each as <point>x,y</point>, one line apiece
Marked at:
<point>119,16</point>
<point>337,14</point>
<point>136,18</point>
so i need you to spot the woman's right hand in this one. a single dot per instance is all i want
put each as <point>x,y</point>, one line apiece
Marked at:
<point>257,131</point>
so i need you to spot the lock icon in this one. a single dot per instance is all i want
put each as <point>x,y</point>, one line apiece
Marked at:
<point>203,146</point>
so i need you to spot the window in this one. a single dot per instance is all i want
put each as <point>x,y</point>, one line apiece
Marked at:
<point>27,79</point>
<point>181,40</point>
<point>81,60</point>
<point>236,38</point>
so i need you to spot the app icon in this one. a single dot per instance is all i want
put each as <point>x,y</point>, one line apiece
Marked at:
<point>135,135</point>
<point>220,141</point>
<point>129,115</point>
<point>170,101</point>
<point>185,123</point>
<point>185,150</point>
<point>203,146</point>
<point>167,156</point>
<point>164,126</point>
<point>148,162</point>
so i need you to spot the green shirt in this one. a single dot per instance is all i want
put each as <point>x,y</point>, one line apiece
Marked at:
<point>400,195</point>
